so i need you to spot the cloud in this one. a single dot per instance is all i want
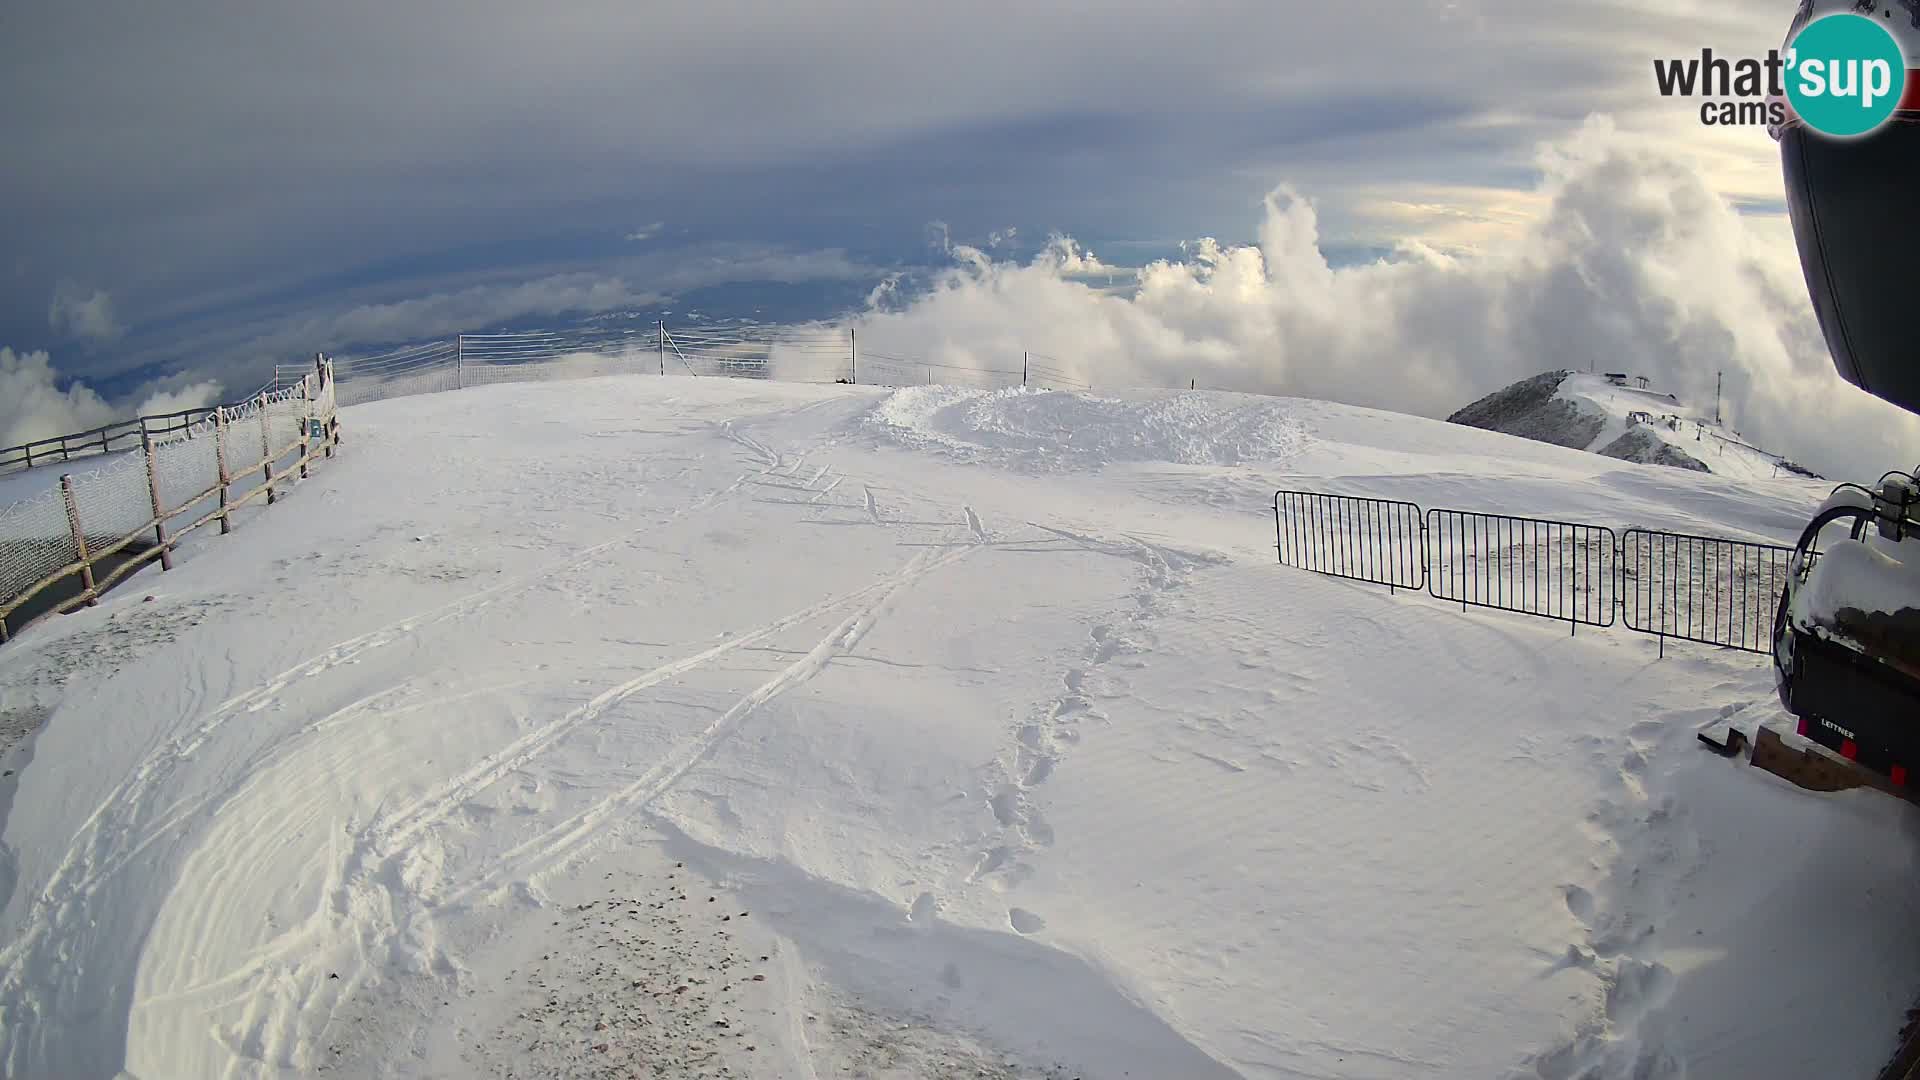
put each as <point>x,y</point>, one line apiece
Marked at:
<point>34,404</point>
<point>329,159</point>
<point>79,314</point>
<point>1633,263</point>
<point>646,232</point>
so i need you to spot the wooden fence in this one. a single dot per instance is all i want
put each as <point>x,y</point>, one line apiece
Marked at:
<point>242,439</point>
<point>123,435</point>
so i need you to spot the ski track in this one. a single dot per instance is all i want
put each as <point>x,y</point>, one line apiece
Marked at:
<point>370,902</point>
<point>99,853</point>
<point>373,904</point>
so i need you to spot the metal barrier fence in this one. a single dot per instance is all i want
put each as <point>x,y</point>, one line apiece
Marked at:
<point>1553,569</point>
<point>1721,592</point>
<point>1705,589</point>
<point>1375,540</point>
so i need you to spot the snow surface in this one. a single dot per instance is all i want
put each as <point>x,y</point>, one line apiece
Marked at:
<point>704,727</point>
<point>1697,434</point>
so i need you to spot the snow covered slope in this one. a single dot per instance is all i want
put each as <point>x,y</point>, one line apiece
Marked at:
<point>667,726</point>
<point>1588,412</point>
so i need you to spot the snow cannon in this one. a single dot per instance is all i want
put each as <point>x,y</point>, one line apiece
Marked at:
<point>1846,641</point>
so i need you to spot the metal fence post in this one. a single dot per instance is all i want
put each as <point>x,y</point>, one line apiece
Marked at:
<point>266,451</point>
<point>1023,371</point>
<point>79,536</point>
<point>159,514</point>
<point>660,341</point>
<point>853,347</point>
<point>459,365</point>
<point>220,458</point>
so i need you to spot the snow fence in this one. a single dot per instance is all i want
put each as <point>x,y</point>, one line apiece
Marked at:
<point>66,545</point>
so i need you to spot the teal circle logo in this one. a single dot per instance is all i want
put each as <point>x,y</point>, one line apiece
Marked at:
<point>1845,74</point>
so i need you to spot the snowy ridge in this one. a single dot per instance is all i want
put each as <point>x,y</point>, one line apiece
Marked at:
<point>1591,412</point>
<point>689,725</point>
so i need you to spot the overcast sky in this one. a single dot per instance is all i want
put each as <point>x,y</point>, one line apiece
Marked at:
<point>197,189</point>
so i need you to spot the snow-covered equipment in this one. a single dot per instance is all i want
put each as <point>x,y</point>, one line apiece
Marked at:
<point>1847,633</point>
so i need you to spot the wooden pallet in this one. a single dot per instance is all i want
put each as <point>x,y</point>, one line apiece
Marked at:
<point>1811,767</point>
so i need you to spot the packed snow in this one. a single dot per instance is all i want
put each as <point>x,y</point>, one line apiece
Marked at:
<point>697,727</point>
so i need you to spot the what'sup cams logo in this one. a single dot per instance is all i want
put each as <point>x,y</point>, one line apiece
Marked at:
<point>1842,74</point>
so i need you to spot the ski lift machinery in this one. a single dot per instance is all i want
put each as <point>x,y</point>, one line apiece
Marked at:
<point>1846,640</point>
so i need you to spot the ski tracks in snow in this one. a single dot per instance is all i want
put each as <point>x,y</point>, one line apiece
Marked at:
<point>376,906</point>
<point>383,903</point>
<point>135,815</point>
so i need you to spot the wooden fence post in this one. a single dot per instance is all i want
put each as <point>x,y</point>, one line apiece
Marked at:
<point>159,514</point>
<point>306,424</point>
<point>266,451</point>
<point>220,457</point>
<point>79,535</point>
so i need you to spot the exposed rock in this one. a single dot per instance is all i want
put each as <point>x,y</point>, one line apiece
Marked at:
<point>1638,445</point>
<point>1529,409</point>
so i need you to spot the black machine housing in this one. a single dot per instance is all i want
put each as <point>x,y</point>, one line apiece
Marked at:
<point>1856,220</point>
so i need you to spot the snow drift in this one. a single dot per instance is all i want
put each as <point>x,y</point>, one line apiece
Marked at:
<point>677,724</point>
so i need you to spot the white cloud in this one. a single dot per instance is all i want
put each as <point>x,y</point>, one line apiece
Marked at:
<point>191,396</point>
<point>646,232</point>
<point>34,405</point>
<point>77,313</point>
<point>1632,262</point>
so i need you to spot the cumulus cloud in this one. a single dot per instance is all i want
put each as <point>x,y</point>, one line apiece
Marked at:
<point>1634,263</point>
<point>35,405</point>
<point>76,312</point>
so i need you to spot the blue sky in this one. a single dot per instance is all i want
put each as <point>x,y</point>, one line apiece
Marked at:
<point>197,189</point>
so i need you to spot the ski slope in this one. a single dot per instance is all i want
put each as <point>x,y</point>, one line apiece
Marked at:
<point>690,727</point>
<point>1692,431</point>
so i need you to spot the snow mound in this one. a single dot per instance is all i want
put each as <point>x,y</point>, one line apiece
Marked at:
<point>1074,430</point>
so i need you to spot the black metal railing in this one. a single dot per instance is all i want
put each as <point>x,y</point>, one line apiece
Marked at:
<point>1702,588</point>
<point>1553,569</point>
<point>1374,540</point>
<point>1705,589</point>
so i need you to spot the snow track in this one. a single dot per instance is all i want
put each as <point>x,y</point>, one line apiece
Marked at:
<point>1025,763</point>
